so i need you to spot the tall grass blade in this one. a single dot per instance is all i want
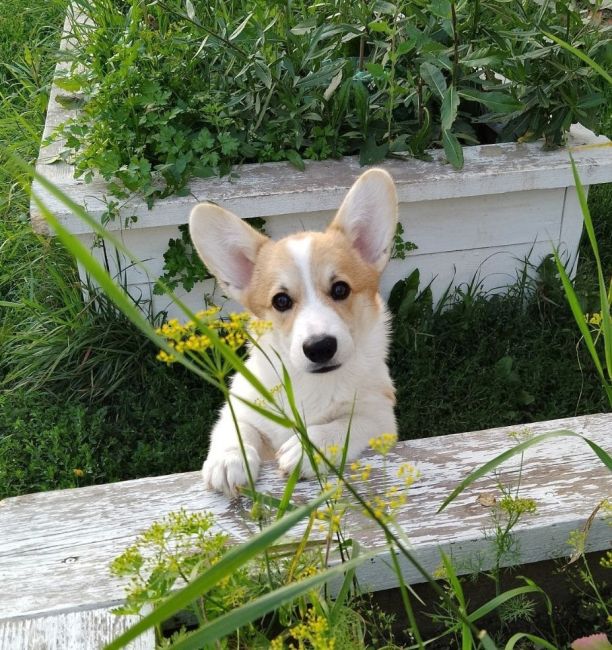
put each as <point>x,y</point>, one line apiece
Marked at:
<point>536,640</point>
<point>285,502</point>
<point>581,55</point>
<point>574,304</point>
<point>455,585</point>
<point>518,449</point>
<point>346,586</point>
<point>603,290</point>
<point>494,603</point>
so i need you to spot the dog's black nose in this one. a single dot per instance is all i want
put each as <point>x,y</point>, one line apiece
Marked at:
<point>320,349</point>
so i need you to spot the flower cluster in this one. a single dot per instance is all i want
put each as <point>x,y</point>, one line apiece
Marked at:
<point>408,473</point>
<point>383,443</point>
<point>188,337</point>
<point>594,319</point>
<point>386,506</point>
<point>360,471</point>
<point>517,506</point>
<point>311,632</point>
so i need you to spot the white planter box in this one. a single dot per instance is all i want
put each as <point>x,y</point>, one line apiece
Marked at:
<point>509,203</point>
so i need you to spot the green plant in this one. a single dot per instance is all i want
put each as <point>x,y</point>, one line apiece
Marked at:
<point>172,91</point>
<point>602,321</point>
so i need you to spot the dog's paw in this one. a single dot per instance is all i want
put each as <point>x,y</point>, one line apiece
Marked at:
<point>289,455</point>
<point>225,471</point>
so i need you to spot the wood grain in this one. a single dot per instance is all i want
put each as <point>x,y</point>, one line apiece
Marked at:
<point>55,547</point>
<point>80,630</point>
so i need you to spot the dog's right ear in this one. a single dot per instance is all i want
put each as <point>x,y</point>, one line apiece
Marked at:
<point>227,245</point>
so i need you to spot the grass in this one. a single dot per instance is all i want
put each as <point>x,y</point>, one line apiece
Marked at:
<point>79,386</point>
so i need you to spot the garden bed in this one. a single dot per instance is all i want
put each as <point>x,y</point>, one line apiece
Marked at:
<point>510,202</point>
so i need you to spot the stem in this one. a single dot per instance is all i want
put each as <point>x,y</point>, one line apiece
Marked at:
<point>475,17</point>
<point>455,44</point>
<point>593,584</point>
<point>361,50</point>
<point>420,101</point>
<point>405,597</point>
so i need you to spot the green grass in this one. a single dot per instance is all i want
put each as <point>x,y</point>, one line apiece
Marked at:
<point>80,388</point>
<point>492,362</point>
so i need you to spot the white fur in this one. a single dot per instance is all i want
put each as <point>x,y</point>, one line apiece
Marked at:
<point>355,395</point>
<point>315,318</point>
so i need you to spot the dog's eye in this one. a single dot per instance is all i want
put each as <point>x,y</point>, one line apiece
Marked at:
<point>282,302</point>
<point>340,290</point>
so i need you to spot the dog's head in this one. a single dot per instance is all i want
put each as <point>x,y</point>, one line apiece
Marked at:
<point>320,290</point>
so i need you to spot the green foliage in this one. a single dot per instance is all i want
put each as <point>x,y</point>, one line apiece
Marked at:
<point>401,246</point>
<point>487,360</point>
<point>170,91</point>
<point>169,554</point>
<point>154,427</point>
<point>182,265</point>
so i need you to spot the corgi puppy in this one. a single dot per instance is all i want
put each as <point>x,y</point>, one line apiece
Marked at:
<point>329,328</point>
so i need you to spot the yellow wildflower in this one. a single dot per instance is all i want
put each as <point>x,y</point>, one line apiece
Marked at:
<point>408,473</point>
<point>359,471</point>
<point>383,443</point>
<point>594,319</point>
<point>517,505</point>
<point>260,327</point>
<point>313,632</point>
<point>165,357</point>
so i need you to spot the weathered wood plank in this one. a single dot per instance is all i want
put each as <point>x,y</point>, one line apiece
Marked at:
<point>267,189</point>
<point>55,548</point>
<point>85,630</point>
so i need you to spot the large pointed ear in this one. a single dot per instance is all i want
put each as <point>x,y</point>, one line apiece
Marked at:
<point>368,216</point>
<point>227,245</point>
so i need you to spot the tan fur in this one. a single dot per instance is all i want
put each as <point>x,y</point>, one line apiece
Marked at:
<point>333,259</point>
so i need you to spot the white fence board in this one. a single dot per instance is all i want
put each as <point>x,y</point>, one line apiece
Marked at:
<point>55,547</point>
<point>79,630</point>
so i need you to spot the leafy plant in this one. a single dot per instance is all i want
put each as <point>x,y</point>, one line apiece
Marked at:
<point>173,90</point>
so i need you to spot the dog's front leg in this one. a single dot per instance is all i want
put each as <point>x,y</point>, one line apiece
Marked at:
<point>360,428</point>
<point>224,469</point>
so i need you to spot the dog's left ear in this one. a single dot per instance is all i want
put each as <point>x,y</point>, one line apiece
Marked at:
<point>368,216</point>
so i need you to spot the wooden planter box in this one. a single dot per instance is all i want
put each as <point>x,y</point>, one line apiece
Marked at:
<point>510,202</point>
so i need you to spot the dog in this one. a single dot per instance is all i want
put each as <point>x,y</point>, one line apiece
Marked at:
<point>330,328</point>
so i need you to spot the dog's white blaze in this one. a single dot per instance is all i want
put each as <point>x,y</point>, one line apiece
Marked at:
<point>300,250</point>
<point>314,318</point>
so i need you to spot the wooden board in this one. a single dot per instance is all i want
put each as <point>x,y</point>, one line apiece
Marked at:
<point>267,189</point>
<point>80,630</point>
<point>55,547</point>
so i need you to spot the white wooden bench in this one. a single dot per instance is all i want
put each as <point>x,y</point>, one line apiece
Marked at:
<point>55,547</point>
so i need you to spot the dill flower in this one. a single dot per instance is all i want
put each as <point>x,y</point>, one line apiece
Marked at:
<point>594,319</point>
<point>408,473</point>
<point>188,338</point>
<point>359,471</point>
<point>383,443</point>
